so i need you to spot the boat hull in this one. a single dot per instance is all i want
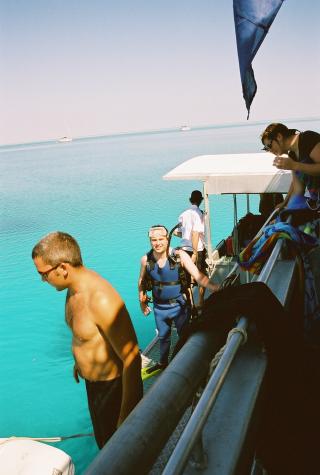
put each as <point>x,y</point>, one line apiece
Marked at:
<point>28,457</point>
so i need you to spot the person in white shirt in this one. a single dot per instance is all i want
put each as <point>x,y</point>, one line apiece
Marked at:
<point>191,231</point>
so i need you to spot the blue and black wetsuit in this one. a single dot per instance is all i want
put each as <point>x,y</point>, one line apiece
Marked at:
<point>169,303</point>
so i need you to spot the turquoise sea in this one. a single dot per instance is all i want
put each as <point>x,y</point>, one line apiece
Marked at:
<point>106,192</point>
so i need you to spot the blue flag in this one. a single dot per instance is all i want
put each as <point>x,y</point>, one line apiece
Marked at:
<point>252,19</point>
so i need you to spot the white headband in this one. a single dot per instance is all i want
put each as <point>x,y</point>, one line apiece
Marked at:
<point>158,230</point>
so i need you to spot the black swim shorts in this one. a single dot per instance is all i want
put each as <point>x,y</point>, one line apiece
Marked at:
<point>104,401</point>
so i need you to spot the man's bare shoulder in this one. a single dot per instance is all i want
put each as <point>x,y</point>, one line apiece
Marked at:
<point>109,313</point>
<point>102,297</point>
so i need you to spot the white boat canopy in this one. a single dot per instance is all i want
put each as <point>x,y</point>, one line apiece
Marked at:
<point>241,173</point>
<point>234,173</point>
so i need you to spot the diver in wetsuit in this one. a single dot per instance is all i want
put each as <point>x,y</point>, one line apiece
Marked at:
<point>162,272</point>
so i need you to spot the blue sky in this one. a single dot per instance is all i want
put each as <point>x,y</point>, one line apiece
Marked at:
<point>101,66</point>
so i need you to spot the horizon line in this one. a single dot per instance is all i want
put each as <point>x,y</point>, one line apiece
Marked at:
<point>158,131</point>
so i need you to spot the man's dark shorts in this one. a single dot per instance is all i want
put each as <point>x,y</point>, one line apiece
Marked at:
<point>201,262</point>
<point>104,401</point>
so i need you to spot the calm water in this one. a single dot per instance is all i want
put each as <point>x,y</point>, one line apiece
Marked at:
<point>106,192</point>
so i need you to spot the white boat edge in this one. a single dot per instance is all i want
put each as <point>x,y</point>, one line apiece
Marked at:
<point>30,457</point>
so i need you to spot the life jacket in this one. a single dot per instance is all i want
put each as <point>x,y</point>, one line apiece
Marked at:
<point>168,284</point>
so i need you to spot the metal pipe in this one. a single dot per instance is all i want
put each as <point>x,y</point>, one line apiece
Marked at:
<point>156,416</point>
<point>207,220</point>
<point>235,208</point>
<point>271,262</point>
<point>151,344</point>
<point>193,430</point>
<point>194,427</point>
<point>235,227</point>
<point>269,265</point>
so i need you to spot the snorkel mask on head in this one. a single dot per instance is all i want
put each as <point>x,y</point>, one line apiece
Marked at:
<point>157,231</point>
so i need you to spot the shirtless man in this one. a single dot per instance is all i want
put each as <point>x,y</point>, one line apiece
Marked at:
<point>104,343</point>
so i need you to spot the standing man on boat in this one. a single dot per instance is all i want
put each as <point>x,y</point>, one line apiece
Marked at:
<point>191,231</point>
<point>163,272</point>
<point>104,343</point>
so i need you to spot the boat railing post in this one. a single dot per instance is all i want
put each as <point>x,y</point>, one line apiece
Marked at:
<point>235,223</point>
<point>248,276</point>
<point>207,224</point>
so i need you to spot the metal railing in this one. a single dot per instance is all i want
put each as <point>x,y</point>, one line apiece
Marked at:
<point>193,430</point>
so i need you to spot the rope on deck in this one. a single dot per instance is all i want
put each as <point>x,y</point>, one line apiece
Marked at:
<point>217,358</point>
<point>219,354</point>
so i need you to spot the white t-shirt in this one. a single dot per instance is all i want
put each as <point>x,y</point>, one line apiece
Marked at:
<point>192,219</point>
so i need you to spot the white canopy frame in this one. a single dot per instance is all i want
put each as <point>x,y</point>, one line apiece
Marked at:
<point>207,219</point>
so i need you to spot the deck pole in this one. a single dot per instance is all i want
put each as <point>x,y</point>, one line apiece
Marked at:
<point>235,222</point>
<point>207,223</point>
<point>248,203</point>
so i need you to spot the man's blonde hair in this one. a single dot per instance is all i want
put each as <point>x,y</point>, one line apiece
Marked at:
<point>57,247</point>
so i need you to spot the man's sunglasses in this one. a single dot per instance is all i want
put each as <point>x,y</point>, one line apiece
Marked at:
<point>45,275</point>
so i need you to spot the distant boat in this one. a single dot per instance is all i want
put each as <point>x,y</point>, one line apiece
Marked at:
<point>65,139</point>
<point>185,128</point>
